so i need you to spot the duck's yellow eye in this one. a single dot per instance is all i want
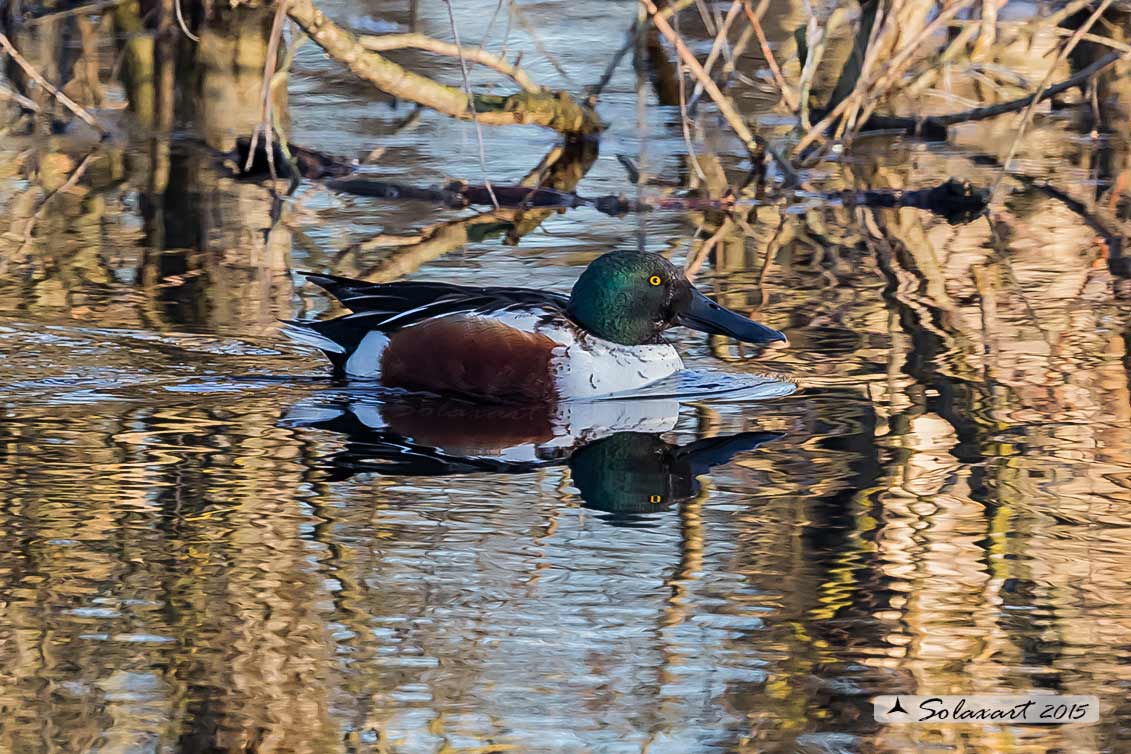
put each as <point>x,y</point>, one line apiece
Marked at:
<point>655,498</point>
<point>655,280</point>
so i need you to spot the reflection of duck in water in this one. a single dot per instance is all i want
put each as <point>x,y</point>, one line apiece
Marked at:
<point>522,344</point>
<point>617,459</point>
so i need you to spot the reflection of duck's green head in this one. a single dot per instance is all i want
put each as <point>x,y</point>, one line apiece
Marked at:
<point>630,297</point>
<point>629,472</point>
<point>633,472</point>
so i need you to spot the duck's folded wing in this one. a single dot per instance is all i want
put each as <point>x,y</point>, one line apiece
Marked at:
<point>397,305</point>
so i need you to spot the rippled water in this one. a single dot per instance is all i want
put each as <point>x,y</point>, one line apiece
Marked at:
<point>209,547</point>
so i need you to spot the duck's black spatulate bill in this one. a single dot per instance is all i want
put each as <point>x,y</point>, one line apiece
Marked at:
<point>705,315</point>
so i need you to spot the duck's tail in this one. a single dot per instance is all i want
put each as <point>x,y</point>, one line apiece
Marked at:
<point>317,335</point>
<point>307,333</point>
<point>354,351</point>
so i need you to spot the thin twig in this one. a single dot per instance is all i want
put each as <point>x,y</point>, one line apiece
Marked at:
<point>6,93</point>
<point>683,118</point>
<point>768,54</point>
<point>1027,117</point>
<point>471,101</point>
<point>595,90</point>
<point>692,266</point>
<point>880,23</point>
<point>266,122</point>
<point>516,11</point>
<point>916,125</point>
<point>1095,39</point>
<point>386,42</point>
<point>63,99</point>
<point>491,25</point>
<point>1054,19</point>
<point>718,43</point>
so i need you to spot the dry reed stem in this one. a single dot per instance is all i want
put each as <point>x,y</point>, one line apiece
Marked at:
<point>1054,19</point>
<point>266,124</point>
<point>80,111</point>
<point>1095,39</point>
<point>874,89</point>
<point>684,120</point>
<point>415,41</point>
<point>880,23</point>
<point>903,57</point>
<point>181,22</point>
<point>1027,116</point>
<point>726,107</point>
<point>990,111</point>
<point>987,30</point>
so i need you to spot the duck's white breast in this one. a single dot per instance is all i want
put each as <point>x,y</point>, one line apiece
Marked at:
<point>588,367</point>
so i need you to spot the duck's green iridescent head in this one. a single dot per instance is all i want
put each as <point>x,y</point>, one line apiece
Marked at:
<point>631,297</point>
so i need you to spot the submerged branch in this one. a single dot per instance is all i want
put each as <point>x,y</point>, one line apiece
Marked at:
<point>556,110</point>
<point>957,201</point>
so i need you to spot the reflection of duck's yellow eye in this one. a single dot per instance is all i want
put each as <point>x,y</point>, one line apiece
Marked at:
<point>655,280</point>
<point>655,499</point>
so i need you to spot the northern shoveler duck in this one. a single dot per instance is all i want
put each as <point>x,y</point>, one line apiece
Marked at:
<point>521,344</point>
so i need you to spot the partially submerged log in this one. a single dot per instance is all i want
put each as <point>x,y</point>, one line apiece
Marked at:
<point>310,163</point>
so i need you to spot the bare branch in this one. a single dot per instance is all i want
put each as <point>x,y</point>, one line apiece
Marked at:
<point>556,110</point>
<point>940,122</point>
<point>387,42</point>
